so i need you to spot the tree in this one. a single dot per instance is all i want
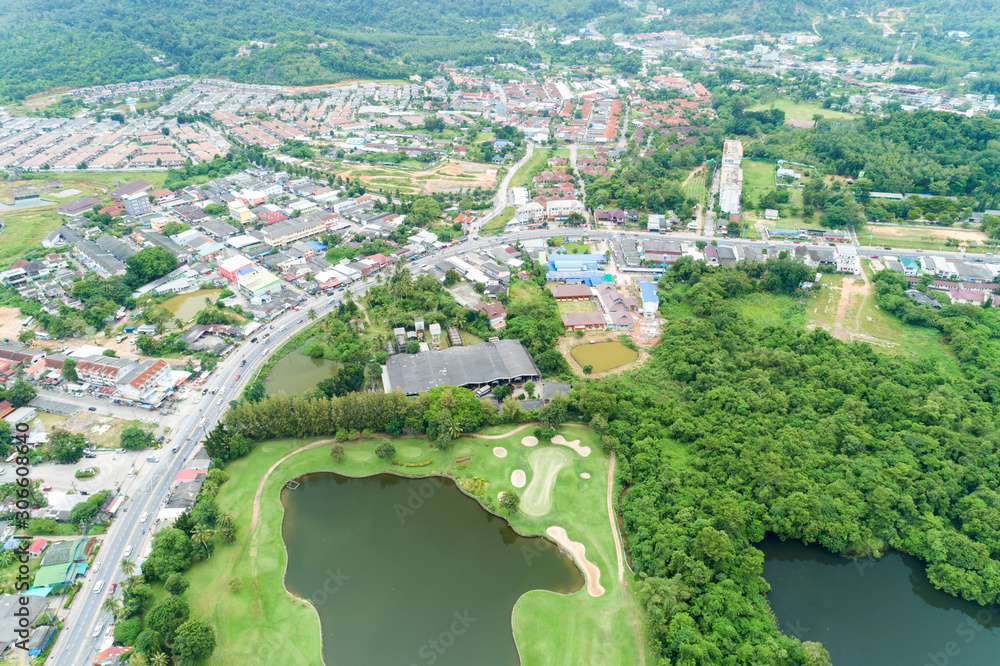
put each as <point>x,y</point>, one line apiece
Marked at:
<point>587,369</point>
<point>159,659</point>
<point>385,450</point>
<point>127,567</point>
<point>65,446</point>
<point>113,606</point>
<point>337,452</point>
<point>69,370</point>
<point>194,642</point>
<point>228,527</point>
<point>510,501</point>
<point>26,336</point>
<point>451,277</point>
<point>126,631</point>
<point>529,388</point>
<point>412,347</point>
<point>167,616</point>
<point>171,553</point>
<point>147,265</point>
<point>21,393</point>
<point>202,535</point>
<point>312,314</point>
<point>176,584</point>
<point>134,438</point>
<point>235,584</point>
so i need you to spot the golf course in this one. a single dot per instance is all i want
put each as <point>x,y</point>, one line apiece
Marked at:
<point>565,493</point>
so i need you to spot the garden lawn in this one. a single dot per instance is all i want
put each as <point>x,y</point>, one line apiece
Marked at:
<point>567,307</point>
<point>262,623</point>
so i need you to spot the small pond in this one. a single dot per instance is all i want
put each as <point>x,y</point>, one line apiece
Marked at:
<point>411,571</point>
<point>186,306</point>
<point>296,373</point>
<point>604,355</point>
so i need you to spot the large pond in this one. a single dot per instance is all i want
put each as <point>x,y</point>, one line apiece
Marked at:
<point>875,611</point>
<point>186,306</point>
<point>296,373</point>
<point>603,355</point>
<point>411,571</point>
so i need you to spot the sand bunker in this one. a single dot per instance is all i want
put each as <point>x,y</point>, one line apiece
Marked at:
<point>529,441</point>
<point>500,452</point>
<point>575,445</point>
<point>579,553</point>
<point>585,475</point>
<point>518,478</point>
<point>545,466</point>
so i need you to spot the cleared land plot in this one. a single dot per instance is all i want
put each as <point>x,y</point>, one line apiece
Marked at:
<point>448,176</point>
<point>798,111</point>
<point>924,238</point>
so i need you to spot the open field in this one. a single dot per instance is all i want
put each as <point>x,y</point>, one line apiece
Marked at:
<point>922,238</point>
<point>496,225</point>
<point>531,168</point>
<point>566,307</point>
<point>448,176</point>
<point>694,186</point>
<point>262,623</point>
<point>26,227</point>
<point>846,307</point>
<point>800,111</point>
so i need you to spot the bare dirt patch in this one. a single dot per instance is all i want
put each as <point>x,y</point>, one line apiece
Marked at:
<point>944,233</point>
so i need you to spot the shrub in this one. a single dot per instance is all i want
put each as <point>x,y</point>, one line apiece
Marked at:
<point>337,452</point>
<point>385,450</point>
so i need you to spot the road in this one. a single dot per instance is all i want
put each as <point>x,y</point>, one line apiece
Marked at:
<point>147,494</point>
<point>77,644</point>
<point>502,189</point>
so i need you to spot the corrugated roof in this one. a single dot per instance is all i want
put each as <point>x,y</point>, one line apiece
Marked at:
<point>460,366</point>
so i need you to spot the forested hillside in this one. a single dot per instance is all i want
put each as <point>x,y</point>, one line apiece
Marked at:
<point>48,43</point>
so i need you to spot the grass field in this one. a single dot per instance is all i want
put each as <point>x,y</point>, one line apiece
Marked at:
<point>923,238</point>
<point>770,310</point>
<point>262,623</point>
<point>567,307</point>
<point>421,179</point>
<point>496,225</point>
<point>531,168</point>
<point>799,111</point>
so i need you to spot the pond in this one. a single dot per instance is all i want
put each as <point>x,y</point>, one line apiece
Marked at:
<point>186,306</point>
<point>296,373</point>
<point>30,202</point>
<point>875,611</point>
<point>411,571</point>
<point>604,355</point>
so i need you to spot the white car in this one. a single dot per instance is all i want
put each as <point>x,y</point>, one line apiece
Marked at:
<point>142,518</point>
<point>97,631</point>
<point>99,587</point>
<point>128,551</point>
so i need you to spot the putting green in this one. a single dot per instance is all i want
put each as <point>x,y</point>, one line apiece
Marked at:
<point>545,465</point>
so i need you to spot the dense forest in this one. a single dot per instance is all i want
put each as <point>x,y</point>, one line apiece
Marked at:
<point>49,43</point>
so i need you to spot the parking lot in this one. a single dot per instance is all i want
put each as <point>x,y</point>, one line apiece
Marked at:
<point>112,472</point>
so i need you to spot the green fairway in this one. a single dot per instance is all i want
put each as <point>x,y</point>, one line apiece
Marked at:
<point>263,623</point>
<point>801,111</point>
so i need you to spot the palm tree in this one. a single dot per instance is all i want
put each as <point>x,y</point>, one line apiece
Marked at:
<point>159,659</point>
<point>455,429</point>
<point>112,605</point>
<point>227,525</point>
<point>6,558</point>
<point>312,313</point>
<point>202,535</point>
<point>127,566</point>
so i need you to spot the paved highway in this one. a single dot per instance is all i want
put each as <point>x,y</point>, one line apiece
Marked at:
<point>87,624</point>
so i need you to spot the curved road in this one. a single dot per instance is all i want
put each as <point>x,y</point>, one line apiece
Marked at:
<point>87,624</point>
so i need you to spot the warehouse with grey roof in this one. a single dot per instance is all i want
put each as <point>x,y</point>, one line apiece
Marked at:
<point>470,367</point>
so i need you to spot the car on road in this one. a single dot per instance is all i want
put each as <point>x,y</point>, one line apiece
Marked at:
<point>89,455</point>
<point>97,567</point>
<point>142,518</point>
<point>253,339</point>
<point>114,586</point>
<point>128,551</point>
<point>238,376</point>
<point>97,631</point>
<point>152,459</point>
<point>243,362</point>
<point>220,401</point>
<point>98,587</point>
<point>204,391</point>
<point>91,409</point>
